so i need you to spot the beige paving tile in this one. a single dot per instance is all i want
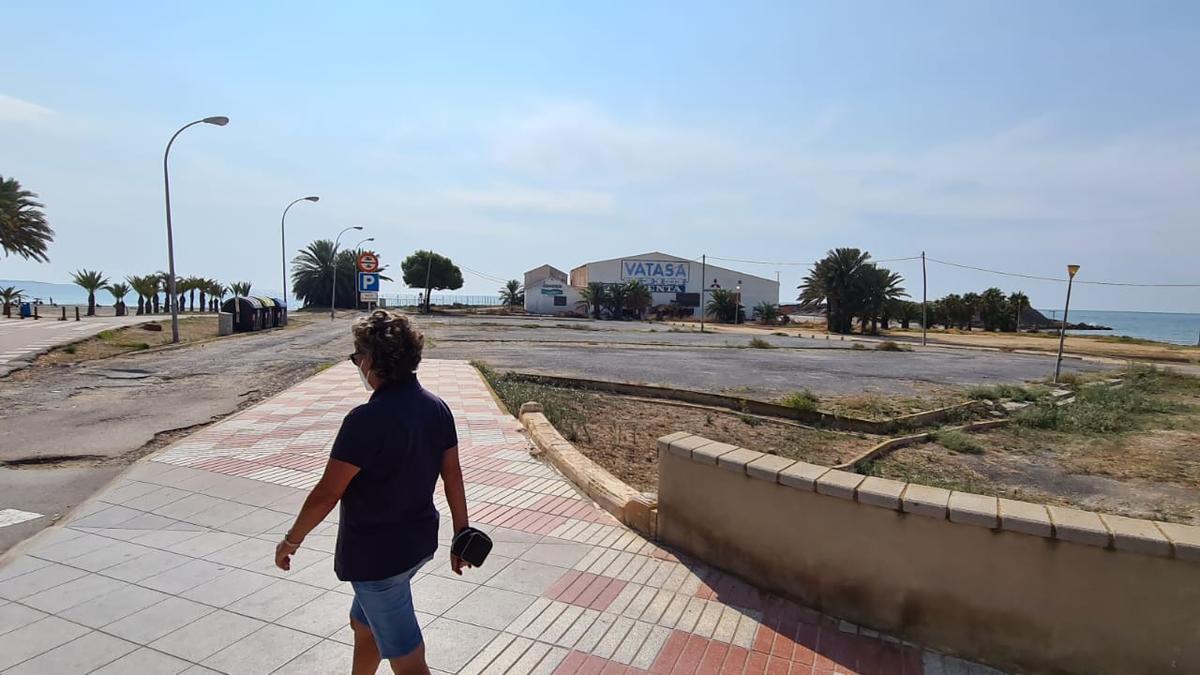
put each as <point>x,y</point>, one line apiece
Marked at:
<point>81,655</point>
<point>207,635</point>
<point>262,651</point>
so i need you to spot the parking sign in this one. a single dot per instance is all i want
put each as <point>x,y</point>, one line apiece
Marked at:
<point>368,287</point>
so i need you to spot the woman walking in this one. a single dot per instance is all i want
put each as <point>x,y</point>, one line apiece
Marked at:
<point>383,469</point>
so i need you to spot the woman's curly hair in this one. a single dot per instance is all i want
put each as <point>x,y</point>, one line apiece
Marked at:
<point>392,342</point>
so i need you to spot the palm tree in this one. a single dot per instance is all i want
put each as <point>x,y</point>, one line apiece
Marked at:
<point>23,227</point>
<point>141,286</point>
<point>593,296</point>
<point>240,288</point>
<point>971,303</point>
<point>879,286</point>
<point>313,274</point>
<point>722,304</point>
<point>164,286</point>
<point>638,298</point>
<point>10,295</point>
<point>1018,302</point>
<point>615,300</point>
<point>993,310</point>
<point>90,281</point>
<point>512,294</point>
<point>767,312</point>
<point>836,280</point>
<point>119,291</point>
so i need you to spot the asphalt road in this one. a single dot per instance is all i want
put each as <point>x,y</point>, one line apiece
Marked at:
<point>66,431</point>
<point>722,362</point>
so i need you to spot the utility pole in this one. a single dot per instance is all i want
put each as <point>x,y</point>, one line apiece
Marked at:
<point>924,300</point>
<point>703,286</point>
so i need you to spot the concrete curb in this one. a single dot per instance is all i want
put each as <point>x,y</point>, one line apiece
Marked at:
<point>635,509</point>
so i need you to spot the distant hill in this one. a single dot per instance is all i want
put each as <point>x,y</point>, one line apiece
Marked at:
<point>63,294</point>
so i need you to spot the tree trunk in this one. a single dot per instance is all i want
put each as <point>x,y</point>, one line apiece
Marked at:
<point>141,304</point>
<point>91,304</point>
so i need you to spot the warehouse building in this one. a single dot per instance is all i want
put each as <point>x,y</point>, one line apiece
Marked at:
<point>674,282</point>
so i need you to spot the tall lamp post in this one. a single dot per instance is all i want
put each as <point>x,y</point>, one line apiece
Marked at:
<point>283,240</point>
<point>1062,330</point>
<point>333,295</point>
<point>174,300</point>
<point>737,304</point>
<point>356,247</point>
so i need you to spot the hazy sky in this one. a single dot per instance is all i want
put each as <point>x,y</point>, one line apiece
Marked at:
<point>1013,135</point>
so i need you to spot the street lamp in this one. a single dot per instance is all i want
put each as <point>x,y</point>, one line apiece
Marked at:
<point>356,247</point>
<point>737,304</point>
<point>1062,330</point>
<point>333,295</point>
<point>283,240</point>
<point>219,121</point>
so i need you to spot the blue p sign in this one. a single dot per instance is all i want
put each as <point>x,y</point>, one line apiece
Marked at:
<point>368,282</point>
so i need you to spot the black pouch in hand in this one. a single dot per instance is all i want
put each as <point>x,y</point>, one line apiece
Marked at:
<point>472,546</point>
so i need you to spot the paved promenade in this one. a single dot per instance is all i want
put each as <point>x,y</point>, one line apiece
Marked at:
<point>169,570</point>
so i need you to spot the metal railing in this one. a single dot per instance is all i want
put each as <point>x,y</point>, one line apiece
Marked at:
<point>411,300</point>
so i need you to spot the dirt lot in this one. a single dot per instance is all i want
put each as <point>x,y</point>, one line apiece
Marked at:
<point>620,432</point>
<point>1084,345</point>
<point>1135,453</point>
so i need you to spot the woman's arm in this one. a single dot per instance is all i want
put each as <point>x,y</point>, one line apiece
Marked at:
<point>324,496</point>
<point>456,497</point>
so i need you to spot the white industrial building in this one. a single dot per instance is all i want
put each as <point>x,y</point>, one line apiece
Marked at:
<point>673,281</point>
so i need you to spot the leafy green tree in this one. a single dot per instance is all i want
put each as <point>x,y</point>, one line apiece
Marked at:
<point>512,294</point>
<point>766,312</point>
<point>879,287</point>
<point>722,305</point>
<point>90,281</point>
<point>593,298</point>
<point>312,275</point>
<point>23,227</point>
<point>638,298</point>
<point>431,271</point>
<point>971,303</point>
<point>10,295</point>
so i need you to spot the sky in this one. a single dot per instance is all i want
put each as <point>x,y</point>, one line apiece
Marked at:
<point>1019,136</point>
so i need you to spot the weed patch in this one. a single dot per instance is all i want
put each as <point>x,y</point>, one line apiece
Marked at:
<point>759,343</point>
<point>891,346</point>
<point>804,401</point>
<point>957,441</point>
<point>1011,392</point>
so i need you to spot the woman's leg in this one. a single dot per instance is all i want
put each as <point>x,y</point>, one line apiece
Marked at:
<point>366,652</point>
<point>412,663</point>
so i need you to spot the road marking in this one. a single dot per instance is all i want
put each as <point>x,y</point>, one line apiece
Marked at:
<point>13,516</point>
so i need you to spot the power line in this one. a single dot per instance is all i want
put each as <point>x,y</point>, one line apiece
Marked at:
<point>483,275</point>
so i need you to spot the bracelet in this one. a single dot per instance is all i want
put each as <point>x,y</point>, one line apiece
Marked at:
<point>292,544</point>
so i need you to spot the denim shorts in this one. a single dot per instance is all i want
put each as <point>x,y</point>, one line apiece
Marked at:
<point>386,606</point>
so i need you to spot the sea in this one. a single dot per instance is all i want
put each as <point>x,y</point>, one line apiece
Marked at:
<point>1176,328</point>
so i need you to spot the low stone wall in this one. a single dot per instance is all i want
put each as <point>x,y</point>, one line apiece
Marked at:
<point>637,510</point>
<point>1019,585</point>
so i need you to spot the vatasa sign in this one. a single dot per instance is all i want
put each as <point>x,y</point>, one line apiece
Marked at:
<point>661,276</point>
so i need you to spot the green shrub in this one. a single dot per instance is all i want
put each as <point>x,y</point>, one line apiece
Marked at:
<point>759,343</point>
<point>890,346</point>
<point>70,349</point>
<point>1101,409</point>
<point>957,441</point>
<point>1011,392</point>
<point>804,401</point>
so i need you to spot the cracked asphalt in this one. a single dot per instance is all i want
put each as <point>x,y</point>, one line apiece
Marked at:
<point>66,431</point>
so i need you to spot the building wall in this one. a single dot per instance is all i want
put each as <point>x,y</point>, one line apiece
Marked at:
<point>537,302</point>
<point>959,577</point>
<point>667,274</point>
<point>542,273</point>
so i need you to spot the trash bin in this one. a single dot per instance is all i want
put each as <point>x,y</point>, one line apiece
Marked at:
<point>247,313</point>
<point>267,318</point>
<point>26,309</point>
<point>281,312</point>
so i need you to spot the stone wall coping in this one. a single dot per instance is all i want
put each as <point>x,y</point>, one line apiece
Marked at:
<point>1133,535</point>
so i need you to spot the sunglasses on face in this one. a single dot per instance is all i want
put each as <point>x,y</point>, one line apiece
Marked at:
<point>356,358</point>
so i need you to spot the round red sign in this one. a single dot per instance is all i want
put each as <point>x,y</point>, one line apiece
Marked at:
<point>368,262</point>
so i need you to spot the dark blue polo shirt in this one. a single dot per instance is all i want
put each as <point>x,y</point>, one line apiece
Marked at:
<point>388,521</point>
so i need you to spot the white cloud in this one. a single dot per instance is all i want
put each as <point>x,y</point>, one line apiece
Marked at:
<point>572,202</point>
<point>23,112</point>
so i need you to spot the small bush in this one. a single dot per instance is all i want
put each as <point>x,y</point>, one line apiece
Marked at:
<point>70,349</point>
<point>957,441</point>
<point>890,346</point>
<point>804,401</point>
<point>759,343</point>
<point>749,419</point>
<point>1011,392</point>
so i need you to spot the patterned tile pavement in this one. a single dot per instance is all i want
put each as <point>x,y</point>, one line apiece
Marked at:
<point>169,570</point>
